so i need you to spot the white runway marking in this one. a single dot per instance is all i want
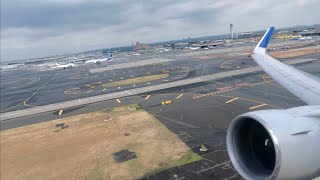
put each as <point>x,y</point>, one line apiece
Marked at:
<point>179,96</point>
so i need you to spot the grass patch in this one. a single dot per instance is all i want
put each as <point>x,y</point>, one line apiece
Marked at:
<point>189,157</point>
<point>135,80</point>
<point>186,159</point>
<point>99,135</point>
<point>126,107</point>
<point>135,168</point>
<point>95,175</point>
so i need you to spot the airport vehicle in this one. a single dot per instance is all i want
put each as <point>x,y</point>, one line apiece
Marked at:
<point>279,144</point>
<point>166,102</point>
<point>98,61</point>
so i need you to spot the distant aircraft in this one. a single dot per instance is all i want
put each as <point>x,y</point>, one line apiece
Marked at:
<point>279,144</point>
<point>305,38</point>
<point>65,66</point>
<point>136,54</point>
<point>78,61</point>
<point>194,48</point>
<point>98,61</point>
<point>12,66</point>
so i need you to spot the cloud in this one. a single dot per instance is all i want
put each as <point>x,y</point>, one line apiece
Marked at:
<point>39,28</point>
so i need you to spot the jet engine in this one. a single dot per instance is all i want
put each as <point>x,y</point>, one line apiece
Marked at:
<point>276,144</point>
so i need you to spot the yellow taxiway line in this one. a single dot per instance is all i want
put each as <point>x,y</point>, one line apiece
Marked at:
<point>254,107</point>
<point>60,112</point>
<point>232,100</point>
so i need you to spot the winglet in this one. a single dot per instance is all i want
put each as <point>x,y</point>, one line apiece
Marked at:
<point>109,56</point>
<point>264,40</point>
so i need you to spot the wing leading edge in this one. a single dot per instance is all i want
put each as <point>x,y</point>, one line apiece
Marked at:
<point>301,84</point>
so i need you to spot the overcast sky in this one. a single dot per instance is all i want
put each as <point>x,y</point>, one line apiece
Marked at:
<point>36,28</point>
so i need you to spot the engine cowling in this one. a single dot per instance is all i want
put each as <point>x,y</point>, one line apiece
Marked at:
<point>275,144</point>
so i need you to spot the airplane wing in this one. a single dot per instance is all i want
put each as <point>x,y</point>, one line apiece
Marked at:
<point>278,143</point>
<point>303,85</point>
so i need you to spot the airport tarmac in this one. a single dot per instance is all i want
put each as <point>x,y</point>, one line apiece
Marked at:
<point>197,118</point>
<point>24,89</point>
<point>134,90</point>
<point>199,113</point>
<point>21,89</point>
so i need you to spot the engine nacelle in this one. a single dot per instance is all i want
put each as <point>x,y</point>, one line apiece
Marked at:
<point>275,144</point>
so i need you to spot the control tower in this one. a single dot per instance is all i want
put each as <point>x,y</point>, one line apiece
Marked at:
<point>231,31</point>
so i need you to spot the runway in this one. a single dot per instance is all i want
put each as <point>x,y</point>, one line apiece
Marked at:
<point>130,64</point>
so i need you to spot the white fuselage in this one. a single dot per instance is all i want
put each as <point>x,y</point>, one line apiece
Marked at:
<point>98,61</point>
<point>65,66</point>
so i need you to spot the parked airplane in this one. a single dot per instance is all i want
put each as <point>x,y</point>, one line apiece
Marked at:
<point>65,66</point>
<point>305,38</point>
<point>194,48</point>
<point>98,61</point>
<point>279,144</point>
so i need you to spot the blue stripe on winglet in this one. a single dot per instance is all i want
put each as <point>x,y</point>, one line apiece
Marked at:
<point>265,41</point>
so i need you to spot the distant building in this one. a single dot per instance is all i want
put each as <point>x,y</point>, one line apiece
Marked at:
<point>140,46</point>
<point>12,66</point>
<point>193,44</point>
<point>181,45</point>
<point>216,44</point>
<point>231,31</point>
<point>171,46</point>
<point>244,35</point>
<point>311,31</point>
<point>34,62</point>
<point>284,32</point>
